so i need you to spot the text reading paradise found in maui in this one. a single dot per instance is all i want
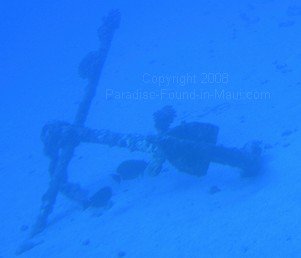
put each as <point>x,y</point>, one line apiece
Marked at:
<point>168,94</point>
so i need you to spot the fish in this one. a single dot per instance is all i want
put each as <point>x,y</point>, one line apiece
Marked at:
<point>101,199</point>
<point>129,170</point>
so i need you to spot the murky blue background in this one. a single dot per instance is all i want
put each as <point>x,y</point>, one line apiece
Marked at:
<point>235,64</point>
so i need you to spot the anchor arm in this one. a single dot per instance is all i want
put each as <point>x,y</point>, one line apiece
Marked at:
<point>60,153</point>
<point>248,158</point>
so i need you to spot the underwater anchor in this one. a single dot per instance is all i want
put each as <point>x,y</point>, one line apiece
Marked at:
<point>189,147</point>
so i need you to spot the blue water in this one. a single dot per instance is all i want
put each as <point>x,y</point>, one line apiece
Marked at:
<point>233,64</point>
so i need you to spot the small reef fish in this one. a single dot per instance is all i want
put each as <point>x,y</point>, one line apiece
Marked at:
<point>129,170</point>
<point>101,199</point>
